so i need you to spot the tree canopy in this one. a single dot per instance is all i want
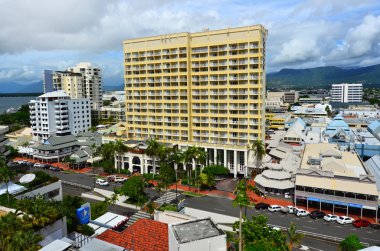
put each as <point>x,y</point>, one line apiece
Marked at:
<point>134,189</point>
<point>351,243</point>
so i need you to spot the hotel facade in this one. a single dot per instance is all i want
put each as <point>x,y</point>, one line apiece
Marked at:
<point>205,89</point>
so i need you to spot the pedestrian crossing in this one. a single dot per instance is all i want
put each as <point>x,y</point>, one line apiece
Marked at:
<point>135,217</point>
<point>166,198</point>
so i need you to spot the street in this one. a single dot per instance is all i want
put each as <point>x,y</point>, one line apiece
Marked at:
<point>224,206</point>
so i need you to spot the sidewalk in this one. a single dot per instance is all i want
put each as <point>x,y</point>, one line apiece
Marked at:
<point>57,164</point>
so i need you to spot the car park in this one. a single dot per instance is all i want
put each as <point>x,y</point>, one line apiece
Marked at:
<point>45,166</point>
<point>375,226</point>
<point>261,205</point>
<point>317,214</point>
<point>330,217</point>
<point>102,182</point>
<point>361,223</point>
<point>302,212</point>
<point>274,208</point>
<point>344,220</point>
<point>21,162</point>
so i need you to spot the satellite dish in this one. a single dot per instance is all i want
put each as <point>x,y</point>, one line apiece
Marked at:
<point>27,178</point>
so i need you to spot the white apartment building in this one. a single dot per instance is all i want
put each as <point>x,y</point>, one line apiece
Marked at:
<point>92,82</point>
<point>55,113</point>
<point>346,93</point>
<point>81,81</point>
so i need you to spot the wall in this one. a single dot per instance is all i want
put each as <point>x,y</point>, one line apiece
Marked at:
<point>53,232</point>
<point>44,190</point>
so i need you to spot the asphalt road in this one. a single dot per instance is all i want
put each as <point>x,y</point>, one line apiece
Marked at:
<point>224,206</point>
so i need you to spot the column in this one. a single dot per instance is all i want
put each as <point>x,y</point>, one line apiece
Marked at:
<point>142,166</point>
<point>245,163</point>
<point>235,163</point>
<point>215,156</point>
<point>225,158</point>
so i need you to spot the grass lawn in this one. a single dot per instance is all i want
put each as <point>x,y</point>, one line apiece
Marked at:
<point>193,194</point>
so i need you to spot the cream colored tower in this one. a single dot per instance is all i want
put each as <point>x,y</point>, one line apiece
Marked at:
<point>203,88</point>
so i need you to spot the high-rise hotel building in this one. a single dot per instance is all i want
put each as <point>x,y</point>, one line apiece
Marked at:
<point>204,89</point>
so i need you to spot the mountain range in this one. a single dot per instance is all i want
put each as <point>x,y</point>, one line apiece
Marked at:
<point>323,77</point>
<point>319,77</point>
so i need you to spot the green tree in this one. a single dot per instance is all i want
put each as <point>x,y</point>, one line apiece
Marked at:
<point>6,175</point>
<point>258,236</point>
<point>197,155</point>
<point>167,175</point>
<point>206,180</point>
<point>351,243</point>
<point>107,151</point>
<point>241,200</point>
<point>120,149</point>
<point>327,109</point>
<point>259,150</point>
<point>294,237</point>
<point>216,170</point>
<point>152,152</point>
<point>134,189</point>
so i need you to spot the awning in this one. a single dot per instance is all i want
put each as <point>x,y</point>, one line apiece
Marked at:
<point>94,160</point>
<point>275,184</point>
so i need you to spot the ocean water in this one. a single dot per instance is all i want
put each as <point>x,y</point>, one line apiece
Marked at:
<point>16,102</point>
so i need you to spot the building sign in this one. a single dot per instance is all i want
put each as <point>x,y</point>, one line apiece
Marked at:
<point>327,201</point>
<point>355,205</point>
<point>84,214</point>
<point>313,199</point>
<point>340,203</point>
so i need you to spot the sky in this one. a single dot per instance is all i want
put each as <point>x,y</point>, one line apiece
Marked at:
<point>51,34</point>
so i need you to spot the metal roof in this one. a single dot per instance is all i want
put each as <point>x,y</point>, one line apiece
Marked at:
<point>373,166</point>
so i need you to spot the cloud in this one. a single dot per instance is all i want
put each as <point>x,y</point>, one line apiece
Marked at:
<point>44,34</point>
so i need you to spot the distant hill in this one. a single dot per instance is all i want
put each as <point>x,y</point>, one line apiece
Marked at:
<point>35,87</point>
<point>113,87</point>
<point>323,77</point>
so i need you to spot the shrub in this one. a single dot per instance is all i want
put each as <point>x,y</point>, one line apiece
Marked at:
<point>216,170</point>
<point>125,171</point>
<point>168,207</point>
<point>351,243</point>
<point>86,230</point>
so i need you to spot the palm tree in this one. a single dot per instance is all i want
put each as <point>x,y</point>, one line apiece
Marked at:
<point>25,144</point>
<point>6,175</point>
<point>93,153</point>
<point>177,157</point>
<point>108,151</point>
<point>120,149</point>
<point>259,149</point>
<point>152,152</point>
<point>241,200</point>
<point>294,237</point>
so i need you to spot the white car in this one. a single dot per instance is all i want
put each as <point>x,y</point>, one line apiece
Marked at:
<point>302,212</point>
<point>287,209</point>
<point>330,217</point>
<point>274,208</point>
<point>101,182</point>
<point>120,179</point>
<point>37,165</point>
<point>344,220</point>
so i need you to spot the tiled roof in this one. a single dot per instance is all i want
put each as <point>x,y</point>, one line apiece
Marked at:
<point>144,235</point>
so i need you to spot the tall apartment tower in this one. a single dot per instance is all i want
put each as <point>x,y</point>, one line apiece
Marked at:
<point>81,81</point>
<point>347,93</point>
<point>205,89</point>
<point>48,81</point>
<point>92,83</point>
<point>55,113</point>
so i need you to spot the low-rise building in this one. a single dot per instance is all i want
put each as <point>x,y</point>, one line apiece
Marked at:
<point>3,140</point>
<point>55,148</point>
<point>335,180</point>
<point>310,100</point>
<point>112,113</point>
<point>310,112</point>
<point>277,121</point>
<point>291,97</point>
<point>19,137</point>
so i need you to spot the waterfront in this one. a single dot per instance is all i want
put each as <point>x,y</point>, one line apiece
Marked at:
<point>16,102</point>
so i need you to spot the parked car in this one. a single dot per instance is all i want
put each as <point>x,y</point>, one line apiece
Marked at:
<point>102,182</point>
<point>317,214</point>
<point>361,223</point>
<point>344,220</point>
<point>37,165</point>
<point>287,209</point>
<point>55,169</point>
<point>330,217</point>
<point>111,178</point>
<point>120,179</point>
<point>274,208</point>
<point>21,162</point>
<point>261,205</point>
<point>45,166</point>
<point>302,212</point>
<point>375,226</point>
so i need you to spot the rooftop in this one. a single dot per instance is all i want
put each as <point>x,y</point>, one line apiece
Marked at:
<point>54,94</point>
<point>195,230</point>
<point>143,235</point>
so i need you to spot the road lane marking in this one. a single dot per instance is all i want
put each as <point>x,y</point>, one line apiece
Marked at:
<point>220,209</point>
<point>309,227</point>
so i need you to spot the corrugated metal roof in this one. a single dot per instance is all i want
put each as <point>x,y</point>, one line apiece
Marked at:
<point>373,166</point>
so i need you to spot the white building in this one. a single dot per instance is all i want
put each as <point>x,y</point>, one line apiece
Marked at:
<point>55,113</point>
<point>347,93</point>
